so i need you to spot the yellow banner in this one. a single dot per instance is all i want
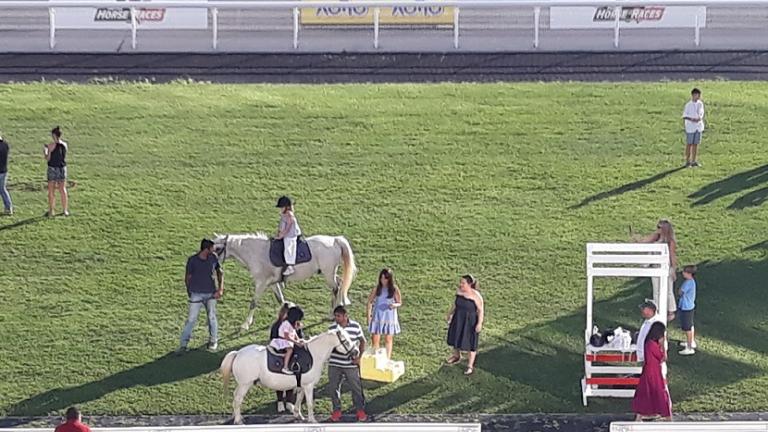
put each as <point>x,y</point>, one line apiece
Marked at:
<point>359,15</point>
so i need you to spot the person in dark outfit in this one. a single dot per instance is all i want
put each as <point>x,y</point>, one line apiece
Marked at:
<point>465,322</point>
<point>56,155</point>
<point>202,293</point>
<point>4,150</point>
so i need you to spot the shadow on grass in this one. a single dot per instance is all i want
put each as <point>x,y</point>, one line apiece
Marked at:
<point>166,369</point>
<point>734,184</point>
<point>539,367</point>
<point>22,222</point>
<point>629,187</point>
<point>763,245</point>
<point>535,368</point>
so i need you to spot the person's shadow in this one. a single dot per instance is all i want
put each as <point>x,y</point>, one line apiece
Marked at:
<point>624,188</point>
<point>22,222</point>
<point>166,369</point>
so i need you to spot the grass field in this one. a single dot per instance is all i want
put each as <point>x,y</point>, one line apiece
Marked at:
<point>505,181</point>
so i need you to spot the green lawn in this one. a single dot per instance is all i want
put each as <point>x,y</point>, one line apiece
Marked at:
<point>507,182</point>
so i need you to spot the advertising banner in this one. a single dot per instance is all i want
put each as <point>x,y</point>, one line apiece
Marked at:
<point>361,15</point>
<point>630,17</point>
<point>120,17</point>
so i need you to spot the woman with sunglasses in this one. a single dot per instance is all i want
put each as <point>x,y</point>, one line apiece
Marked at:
<point>665,233</point>
<point>383,303</point>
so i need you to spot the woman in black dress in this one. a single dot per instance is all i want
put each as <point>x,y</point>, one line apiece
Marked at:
<point>466,321</point>
<point>286,399</point>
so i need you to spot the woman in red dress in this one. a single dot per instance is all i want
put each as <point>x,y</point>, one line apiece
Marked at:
<point>652,396</point>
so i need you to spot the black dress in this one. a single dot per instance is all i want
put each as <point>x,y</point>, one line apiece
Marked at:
<point>461,333</point>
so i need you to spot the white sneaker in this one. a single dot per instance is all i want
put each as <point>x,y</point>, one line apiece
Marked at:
<point>281,407</point>
<point>685,344</point>
<point>289,271</point>
<point>687,352</point>
<point>287,371</point>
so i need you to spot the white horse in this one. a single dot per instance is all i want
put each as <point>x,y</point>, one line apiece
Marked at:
<point>328,253</point>
<point>249,367</point>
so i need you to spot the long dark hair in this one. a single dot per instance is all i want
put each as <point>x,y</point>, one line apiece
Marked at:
<point>472,281</point>
<point>56,132</point>
<point>391,287</point>
<point>656,332</point>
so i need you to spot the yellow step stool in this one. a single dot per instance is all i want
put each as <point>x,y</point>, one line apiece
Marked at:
<point>376,367</point>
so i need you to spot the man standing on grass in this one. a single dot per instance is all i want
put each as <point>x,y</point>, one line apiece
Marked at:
<point>343,367</point>
<point>693,116</point>
<point>202,292</point>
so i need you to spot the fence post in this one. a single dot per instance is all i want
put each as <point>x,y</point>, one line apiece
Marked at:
<point>215,22</point>
<point>616,10</point>
<point>456,27</point>
<point>536,19</point>
<point>696,35</point>
<point>52,25</point>
<point>376,18</point>
<point>295,28</point>
<point>134,25</point>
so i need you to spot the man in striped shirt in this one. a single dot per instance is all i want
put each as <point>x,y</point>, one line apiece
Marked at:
<point>343,367</point>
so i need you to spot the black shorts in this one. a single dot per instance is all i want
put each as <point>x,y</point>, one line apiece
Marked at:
<point>686,319</point>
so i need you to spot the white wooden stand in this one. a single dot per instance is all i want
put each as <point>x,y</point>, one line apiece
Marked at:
<point>606,368</point>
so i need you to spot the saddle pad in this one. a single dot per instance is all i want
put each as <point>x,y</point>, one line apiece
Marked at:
<point>301,360</point>
<point>276,247</point>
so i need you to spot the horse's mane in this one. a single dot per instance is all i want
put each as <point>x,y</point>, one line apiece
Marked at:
<point>258,235</point>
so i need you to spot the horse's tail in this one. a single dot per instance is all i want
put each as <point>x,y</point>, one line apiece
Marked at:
<point>350,269</point>
<point>226,368</point>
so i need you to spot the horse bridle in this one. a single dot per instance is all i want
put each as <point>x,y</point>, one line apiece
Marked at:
<point>222,255</point>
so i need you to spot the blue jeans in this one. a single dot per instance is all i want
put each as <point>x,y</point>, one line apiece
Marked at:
<point>198,301</point>
<point>7,204</point>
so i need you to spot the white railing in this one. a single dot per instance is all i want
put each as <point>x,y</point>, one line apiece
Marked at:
<point>214,6</point>
<point>690,427</point>
<point>295,427</point>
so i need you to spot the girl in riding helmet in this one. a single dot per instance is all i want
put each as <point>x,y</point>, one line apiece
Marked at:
<point>287,336</point>
<point>288,231</point>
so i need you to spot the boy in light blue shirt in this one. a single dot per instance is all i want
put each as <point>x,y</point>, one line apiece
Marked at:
<point>686,306</point>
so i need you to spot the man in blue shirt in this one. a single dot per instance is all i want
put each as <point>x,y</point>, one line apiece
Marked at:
<point>687,305</point>
<point>202,292</point>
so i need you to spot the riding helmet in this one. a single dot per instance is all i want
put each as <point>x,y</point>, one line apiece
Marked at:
<point>284,201</point>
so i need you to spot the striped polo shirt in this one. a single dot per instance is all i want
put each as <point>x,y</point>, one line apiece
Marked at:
<point>356,334</point>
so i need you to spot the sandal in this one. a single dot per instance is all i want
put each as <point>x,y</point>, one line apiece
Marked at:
<point>453,359</point>
<point>469,371</point>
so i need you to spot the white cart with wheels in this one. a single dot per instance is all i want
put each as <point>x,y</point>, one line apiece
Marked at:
<point>606,369</point>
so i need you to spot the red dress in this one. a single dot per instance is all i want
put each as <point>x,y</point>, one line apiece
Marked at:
<point>652,396</point>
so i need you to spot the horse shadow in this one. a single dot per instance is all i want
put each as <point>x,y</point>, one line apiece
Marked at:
<point>165,369</point>
<point>544,361</point>
<point>734,184</point>
<point>629,187</point>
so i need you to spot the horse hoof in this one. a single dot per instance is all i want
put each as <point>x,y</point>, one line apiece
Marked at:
<point>312,420</point>
<point>237,421</point>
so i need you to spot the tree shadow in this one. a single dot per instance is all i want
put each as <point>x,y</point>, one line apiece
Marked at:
<point>539,367</point>
<point>763,245</point>
<point>22,222</point>
<point>735,184</point>
<point>624,188</point>
<point>166,369</point>
<point>755,198</point>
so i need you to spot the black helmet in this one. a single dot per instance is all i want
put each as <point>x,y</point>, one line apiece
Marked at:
<point>295,314</point>
<point>284,201</point>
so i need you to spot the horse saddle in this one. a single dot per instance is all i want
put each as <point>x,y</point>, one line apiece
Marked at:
<point>300,362</point>
<point>276,248</point>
